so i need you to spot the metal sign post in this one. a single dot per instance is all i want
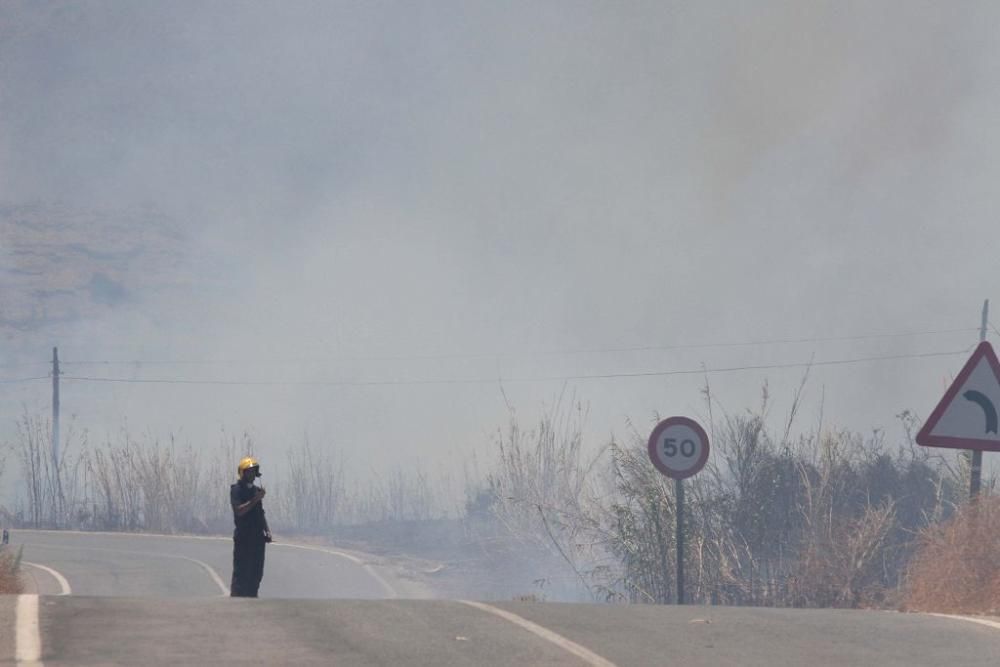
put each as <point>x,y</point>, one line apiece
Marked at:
<point>678,448</point>
<point>680,540</point>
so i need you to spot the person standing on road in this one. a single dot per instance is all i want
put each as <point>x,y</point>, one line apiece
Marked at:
<point>251,532</point>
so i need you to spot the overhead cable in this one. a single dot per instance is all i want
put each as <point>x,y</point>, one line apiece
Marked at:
<point>493,380</point>
<point>490,355</point>
<point>18,380</point>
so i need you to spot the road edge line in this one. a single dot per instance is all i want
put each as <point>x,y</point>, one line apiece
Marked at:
<point>64,587</point>
<point>568,645</point>
<point>971,619</point>
<point>27,634</point>
<point>211,572</point>
<point>203,565</point>
<point>354,559</point>
<point>389,590</point>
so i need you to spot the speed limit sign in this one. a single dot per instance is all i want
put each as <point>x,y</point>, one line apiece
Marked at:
<point>678,447</point>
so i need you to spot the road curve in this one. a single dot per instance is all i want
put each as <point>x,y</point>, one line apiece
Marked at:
<point>128,565</point>
<point>154,601</point>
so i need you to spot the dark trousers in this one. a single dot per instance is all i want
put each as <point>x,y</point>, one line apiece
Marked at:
<point>248,568</point>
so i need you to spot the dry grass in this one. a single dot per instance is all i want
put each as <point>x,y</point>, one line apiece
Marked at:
<point>10,578</point>
<point>957,568</point>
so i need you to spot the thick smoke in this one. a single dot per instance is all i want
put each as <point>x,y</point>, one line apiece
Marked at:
<point>370,191</point>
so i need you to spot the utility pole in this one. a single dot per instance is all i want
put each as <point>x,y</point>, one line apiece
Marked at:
<point>55,408</point>
<point>976,474</point>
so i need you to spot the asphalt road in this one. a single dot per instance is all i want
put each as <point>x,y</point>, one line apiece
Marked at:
<point>169,567</point>
<point>155,601</point>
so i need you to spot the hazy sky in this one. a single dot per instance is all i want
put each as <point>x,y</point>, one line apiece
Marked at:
<point>515,181</point>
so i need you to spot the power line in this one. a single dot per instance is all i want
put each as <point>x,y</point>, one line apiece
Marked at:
<point>18,380</point>
<point>490,355</point>
<point>774,341</point>
<point>24,364</point>
<point>461,381</point>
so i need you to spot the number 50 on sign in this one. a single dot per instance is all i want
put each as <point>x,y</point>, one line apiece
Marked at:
<point>678,447</point>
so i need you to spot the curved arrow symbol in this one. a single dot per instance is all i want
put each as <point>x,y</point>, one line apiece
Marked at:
<point>988,408</point>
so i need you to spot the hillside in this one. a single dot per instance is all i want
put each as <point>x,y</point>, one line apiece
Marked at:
<point>59,265</point>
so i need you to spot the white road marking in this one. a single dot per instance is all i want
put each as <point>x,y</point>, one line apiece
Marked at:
<point>581,652</point>
<point>971,619</point>
<point>205,566</point>
<point>211,572</point>
<point>389,590</point>
<point>28,647</point>
<point>64,588</point>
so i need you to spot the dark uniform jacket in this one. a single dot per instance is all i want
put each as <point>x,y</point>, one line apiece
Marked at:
<point>250,526</point>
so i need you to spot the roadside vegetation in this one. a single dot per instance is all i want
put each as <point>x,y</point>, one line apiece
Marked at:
<point>957,567</point>
<point>826,518</point>
<point>784,517</point>
<point>10,572</point>
<point>164,485</point>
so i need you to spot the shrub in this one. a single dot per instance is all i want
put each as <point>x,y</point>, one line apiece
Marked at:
<point>957,566</point>
<point>10,572</point>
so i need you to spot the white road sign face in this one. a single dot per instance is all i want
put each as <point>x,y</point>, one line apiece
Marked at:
<point>678,447</point>
<point>967,415</point>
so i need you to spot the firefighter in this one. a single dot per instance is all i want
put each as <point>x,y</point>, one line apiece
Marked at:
<point>251,533</point>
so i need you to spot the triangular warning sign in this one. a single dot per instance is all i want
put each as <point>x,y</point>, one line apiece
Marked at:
<point>966,418</point>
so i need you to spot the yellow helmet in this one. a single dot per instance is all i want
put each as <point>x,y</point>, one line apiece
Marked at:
<point>248,462</point>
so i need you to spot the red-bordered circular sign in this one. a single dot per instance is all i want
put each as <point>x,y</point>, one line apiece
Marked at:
<point>678,447</point>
